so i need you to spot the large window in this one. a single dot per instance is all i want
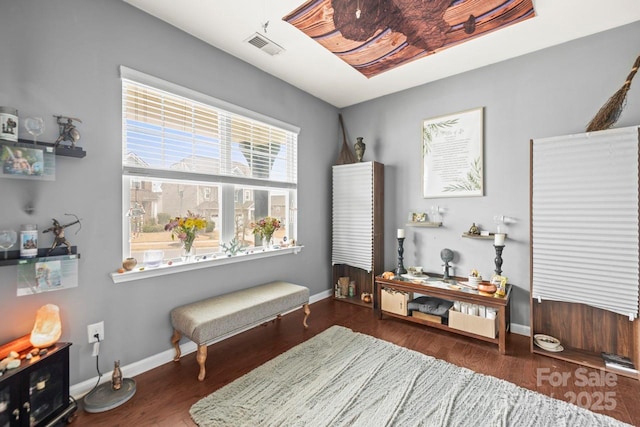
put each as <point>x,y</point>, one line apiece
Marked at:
<point>186,152</point>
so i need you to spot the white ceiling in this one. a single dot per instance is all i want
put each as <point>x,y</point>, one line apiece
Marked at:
<point>308,66</point>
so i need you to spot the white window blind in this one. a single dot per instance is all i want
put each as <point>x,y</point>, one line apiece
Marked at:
<point>585,219</point>
<point>174,131</point>
<point>353,215</point>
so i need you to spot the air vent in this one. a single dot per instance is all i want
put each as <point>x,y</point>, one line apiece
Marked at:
<point>264,44</point>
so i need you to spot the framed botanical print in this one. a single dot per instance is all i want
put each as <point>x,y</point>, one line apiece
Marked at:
<point>452,155</point>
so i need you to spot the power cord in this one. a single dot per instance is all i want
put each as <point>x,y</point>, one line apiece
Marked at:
<point>97,336</point>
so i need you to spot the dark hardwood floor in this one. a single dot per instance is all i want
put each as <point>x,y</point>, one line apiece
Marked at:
<point>165,394</point>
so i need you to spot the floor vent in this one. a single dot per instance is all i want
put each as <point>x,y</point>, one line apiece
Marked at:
<point>264,44</point>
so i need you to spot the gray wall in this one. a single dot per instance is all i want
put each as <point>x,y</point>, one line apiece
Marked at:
<point>62,57</point>
<point>555,91</point>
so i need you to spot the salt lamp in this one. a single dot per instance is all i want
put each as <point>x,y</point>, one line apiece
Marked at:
<point>47,328</point>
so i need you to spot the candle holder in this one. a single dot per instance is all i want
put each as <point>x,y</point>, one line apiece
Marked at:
<point>400,270</point>
<point>498,259</point>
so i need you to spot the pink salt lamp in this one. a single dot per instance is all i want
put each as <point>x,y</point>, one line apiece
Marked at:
<point>47,329</point>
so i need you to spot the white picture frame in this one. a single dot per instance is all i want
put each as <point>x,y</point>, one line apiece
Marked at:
<point>452,155</point>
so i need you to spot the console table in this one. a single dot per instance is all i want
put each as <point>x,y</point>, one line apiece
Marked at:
<point>448,290</point>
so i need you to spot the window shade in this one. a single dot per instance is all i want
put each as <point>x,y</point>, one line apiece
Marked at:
<point>173,134</point>
<point>353,215</point>
<point>585,219</point>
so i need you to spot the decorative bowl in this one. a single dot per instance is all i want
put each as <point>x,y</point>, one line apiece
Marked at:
<point>547,342</point>
<point>487,287</point>
<point>129,263</point>
<point>153,257</point>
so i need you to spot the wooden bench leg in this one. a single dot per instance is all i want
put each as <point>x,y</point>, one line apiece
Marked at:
<point>201,357</point>
<point>307,312</point>
<point>175,340</point>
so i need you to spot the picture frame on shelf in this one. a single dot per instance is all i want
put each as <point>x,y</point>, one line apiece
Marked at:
<point>417,217</point>
<point>21,161</point>
<point>452,155</point>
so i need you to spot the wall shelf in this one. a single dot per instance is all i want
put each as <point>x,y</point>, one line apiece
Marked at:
<point>424,224</point>
<point>60,150</point>
<point>491,236</point>
<point>59,253</point>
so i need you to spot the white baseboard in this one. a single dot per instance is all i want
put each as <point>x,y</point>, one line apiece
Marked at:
<point>322,295</point>
<point>136,368</point>
<point>521,329</point>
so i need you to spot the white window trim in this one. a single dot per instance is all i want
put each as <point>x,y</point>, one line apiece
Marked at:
<point>142,272</point>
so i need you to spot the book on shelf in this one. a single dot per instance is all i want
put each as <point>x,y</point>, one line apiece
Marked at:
<point>617,362</point>
<point>616,359</point>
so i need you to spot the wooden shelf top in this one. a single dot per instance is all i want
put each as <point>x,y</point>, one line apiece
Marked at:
<point>424,224</point>
<point>491,236</point>
<point>582,357</point>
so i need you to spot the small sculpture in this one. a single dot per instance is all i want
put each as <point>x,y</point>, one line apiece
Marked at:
<point>474,229</point>
<point>68,131</point>
<point>58,231</point>
<point>116,376</point>
<point>446,255</point>
<point>359,148</point>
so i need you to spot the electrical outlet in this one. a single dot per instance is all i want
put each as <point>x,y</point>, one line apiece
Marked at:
<point>93,329</point>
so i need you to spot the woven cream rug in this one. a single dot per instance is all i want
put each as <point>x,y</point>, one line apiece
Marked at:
<point>344,378</point>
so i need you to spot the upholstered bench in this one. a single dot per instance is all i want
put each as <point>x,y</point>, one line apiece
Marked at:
<point>212,318</point>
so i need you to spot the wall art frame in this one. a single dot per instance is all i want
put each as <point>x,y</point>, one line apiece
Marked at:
<point>452,155</point>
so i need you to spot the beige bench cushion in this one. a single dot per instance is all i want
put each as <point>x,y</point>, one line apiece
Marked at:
<point>206,320</point>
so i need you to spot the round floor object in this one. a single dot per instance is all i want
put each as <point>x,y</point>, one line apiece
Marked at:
<point>104,397</point>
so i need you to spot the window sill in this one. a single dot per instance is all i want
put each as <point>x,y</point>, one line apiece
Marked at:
<point>140,273</point>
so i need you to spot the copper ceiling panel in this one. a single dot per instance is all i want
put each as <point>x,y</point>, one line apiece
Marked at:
<point>390,33</point>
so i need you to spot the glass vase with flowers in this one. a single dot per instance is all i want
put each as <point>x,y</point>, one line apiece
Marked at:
<point>186,229</point>
<point>265,228</point>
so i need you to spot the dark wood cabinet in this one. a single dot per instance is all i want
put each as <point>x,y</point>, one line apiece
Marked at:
<point>37,392</point>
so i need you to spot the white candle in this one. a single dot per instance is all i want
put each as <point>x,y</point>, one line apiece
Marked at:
<point>499,239</point>
<point>400,233</point>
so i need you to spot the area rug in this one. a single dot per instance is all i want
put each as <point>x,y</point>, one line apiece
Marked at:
<point>344,378</point>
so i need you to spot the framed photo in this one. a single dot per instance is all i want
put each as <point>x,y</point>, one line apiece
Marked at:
<point>452,155</point>
<point>23,162</point>
<point>418,217</point>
